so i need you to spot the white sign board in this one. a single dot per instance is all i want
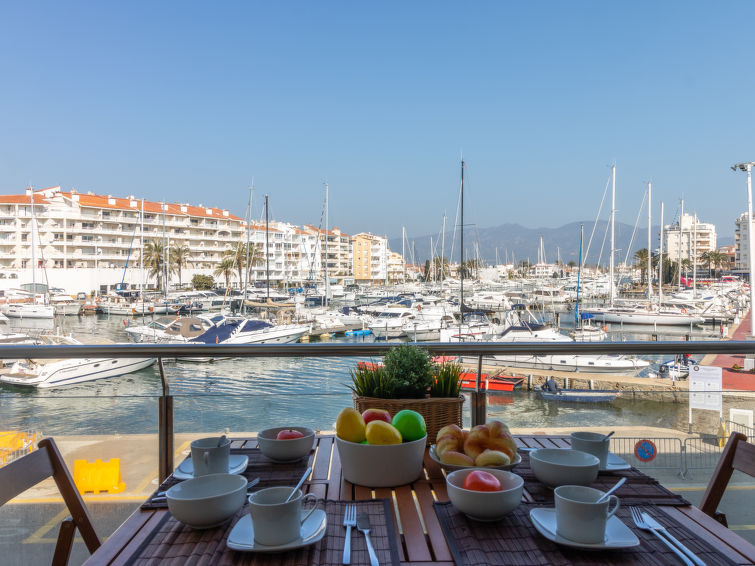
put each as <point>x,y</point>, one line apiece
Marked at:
<point>705,388</point>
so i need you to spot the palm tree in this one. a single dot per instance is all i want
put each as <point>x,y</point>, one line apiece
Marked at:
<point>709,259</point>
<point>237,254</point>
<point>154,259</point>
<point>179,258</point>
<point>225,270</point>
<point>641,261</point>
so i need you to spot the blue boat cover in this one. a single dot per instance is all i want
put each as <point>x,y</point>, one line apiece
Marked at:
<point>217,334</point>
<point>586,315</point>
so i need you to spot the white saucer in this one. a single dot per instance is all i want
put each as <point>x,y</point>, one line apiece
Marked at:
<point>615,463</point>
<point>237,463</point>
<point>618,535</point>
<point>452,468</point>
<point>242,534</point>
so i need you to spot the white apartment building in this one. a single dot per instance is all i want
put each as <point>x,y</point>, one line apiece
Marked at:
<point>86,242</point>
<point>741,242</point>
<point>693,237</point>
<point>396,271</point>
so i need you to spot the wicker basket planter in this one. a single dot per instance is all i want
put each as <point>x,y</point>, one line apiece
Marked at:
<point>437,411</point>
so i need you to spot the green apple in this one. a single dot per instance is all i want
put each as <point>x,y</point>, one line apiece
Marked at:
<point>410,424</point>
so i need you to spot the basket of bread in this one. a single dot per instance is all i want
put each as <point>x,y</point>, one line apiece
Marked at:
<point>490,445</point>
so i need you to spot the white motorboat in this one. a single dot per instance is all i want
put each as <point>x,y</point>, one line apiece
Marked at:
<point>65,305</point>
<point>30,310</point>
<point>389,323</point>
<point>519,330</point>
<point>43,373</point>
<point>647,316</point>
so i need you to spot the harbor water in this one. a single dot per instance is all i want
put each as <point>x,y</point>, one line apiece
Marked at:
<point>248,394</point>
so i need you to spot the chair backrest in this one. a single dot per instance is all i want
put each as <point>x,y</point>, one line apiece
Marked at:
<point>738,455</point>
<point>45,462</point>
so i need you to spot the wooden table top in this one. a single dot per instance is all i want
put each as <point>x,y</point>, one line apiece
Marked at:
<point>418,528</point>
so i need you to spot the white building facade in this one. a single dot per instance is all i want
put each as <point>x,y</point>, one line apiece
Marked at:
<point>694,237</point>
<point>741,241</point>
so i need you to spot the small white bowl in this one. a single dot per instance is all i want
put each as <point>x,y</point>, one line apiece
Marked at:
<point>485,505</point>
<point>287,450</point>
<point>556,466</point>
<point>387,465</point>
<point>207,501</point>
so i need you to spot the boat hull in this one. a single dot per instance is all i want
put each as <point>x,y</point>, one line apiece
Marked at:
<point>579,396</point>
<point>71,371</point>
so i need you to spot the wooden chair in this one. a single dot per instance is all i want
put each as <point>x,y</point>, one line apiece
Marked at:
<point>28,471</point>
<point>738,455</point>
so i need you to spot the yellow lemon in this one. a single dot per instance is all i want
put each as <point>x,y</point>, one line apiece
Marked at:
<point>350,425</point>
<point>381,432</point>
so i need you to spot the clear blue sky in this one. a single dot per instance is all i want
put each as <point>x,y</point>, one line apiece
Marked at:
<point>190,101</point>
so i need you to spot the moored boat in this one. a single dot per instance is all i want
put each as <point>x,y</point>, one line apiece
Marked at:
<point>579,395</point>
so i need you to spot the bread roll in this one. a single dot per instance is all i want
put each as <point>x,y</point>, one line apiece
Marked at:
<point>492,458</point>
<point>455,458</point>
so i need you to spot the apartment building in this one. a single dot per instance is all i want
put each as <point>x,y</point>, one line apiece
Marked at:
<point>396,270</point>
<point>370,258</point>
<point>741,242</point>
<point>87,242</point>
<point>687,237</point>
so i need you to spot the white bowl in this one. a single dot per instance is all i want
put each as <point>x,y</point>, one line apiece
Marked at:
<point>207,501</point>
<point>388,465</point>
<point>485,505</point>
<point>286,450</point>
<point>556,466</point>
<point>452,468</point>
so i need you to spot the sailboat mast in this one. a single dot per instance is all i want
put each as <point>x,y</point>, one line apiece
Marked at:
<point>579,273</point>
<point>461,251</point>
<point>679,265</point>
<point>267,248</point>
<point>650,259</point>
<point>403,250</point>
<point>141,254</point>
<point>33,253</point>
<point>613,243</point>
<point>660,263</point>
<point>442,254</point>
<point>165,254</point>
<point>248,237</point>
<point>694,259</point>
<point>327,278</point>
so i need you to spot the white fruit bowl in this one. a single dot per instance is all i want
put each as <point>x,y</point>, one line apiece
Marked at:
<point>485,505</point>
<point>381,465</point>
<point>287,450</point>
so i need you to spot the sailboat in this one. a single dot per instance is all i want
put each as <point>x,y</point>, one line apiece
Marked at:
<point>33,309</point>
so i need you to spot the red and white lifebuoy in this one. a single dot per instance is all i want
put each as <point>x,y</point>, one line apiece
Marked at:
<point>684,311</point>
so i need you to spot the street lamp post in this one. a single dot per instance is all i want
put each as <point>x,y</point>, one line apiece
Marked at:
<point>748,168</point>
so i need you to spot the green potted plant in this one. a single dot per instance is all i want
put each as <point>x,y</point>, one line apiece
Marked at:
<point>409,379</point>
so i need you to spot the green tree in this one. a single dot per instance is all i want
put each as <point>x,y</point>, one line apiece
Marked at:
<point>202,282</point>
<point>225,270</point>
<point>237,254</point>
<point>426,273</point>
<point>154,260</point>
<point>641,261</point>
<point>180,257</point>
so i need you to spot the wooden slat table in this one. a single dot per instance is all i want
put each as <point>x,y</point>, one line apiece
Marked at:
<point>422,541</point>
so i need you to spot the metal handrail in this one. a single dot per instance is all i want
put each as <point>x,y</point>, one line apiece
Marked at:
<point>371,349</point>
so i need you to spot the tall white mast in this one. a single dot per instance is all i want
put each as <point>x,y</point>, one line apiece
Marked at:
<point>442,254</point>
<point>679,266</point>
<point>327,278</point>
<point>33,253</point>
<point>248,237</point>
<point>650,242</point>
<point>694,259</point>
<point>613,217</point>
<point>660,263</point>
<point>403,250</point>
<point>141,255</point>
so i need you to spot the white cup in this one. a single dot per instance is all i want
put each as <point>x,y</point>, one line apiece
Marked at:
<point>276,521</point>
<point>210,455</point>
<point>593,443</point>
<point>578,517</point>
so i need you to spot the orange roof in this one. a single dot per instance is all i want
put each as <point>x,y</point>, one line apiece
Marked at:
<point>22,199</point>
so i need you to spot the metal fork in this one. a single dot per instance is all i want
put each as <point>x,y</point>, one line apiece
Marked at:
<point>349,520</point>
<point>642,524</point>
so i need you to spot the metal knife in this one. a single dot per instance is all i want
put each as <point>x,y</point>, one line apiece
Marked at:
<point>363,524</point>
<point>653,524</point>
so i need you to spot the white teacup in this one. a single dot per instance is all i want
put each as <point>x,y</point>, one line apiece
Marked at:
<point>593,443</point>
<point>276,521</point>
<point>210,455</point>
<point>578,517</point>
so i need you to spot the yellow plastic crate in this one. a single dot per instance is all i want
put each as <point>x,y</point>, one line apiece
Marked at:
<point>98,476</point>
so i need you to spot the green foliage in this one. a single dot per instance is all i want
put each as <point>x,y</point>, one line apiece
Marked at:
<point>202,282</point>
<point>371,381</point>
<point>411,370</point>
<point>447,382</point>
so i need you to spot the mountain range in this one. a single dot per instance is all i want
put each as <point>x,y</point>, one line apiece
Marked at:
<point>516,242</point>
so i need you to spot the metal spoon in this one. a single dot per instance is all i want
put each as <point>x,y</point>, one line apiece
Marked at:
<point>610,491</point>
<point>609,435</point>
<point>221,441</point>
<point>298,485</point>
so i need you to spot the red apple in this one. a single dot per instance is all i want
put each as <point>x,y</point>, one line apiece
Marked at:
<point>289,434</point>
<point>376,415</point>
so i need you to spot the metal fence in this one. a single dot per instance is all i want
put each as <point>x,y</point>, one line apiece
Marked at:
<point>748,431</point>
<point>650,453</point>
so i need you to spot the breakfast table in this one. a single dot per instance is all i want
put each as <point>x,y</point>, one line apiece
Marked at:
<point>416,525</point>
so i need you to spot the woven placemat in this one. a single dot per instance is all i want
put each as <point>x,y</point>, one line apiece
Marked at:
<point>174,544</point>
<point>639,488</point>
<point>514,541</point>
<point>270,473</point>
